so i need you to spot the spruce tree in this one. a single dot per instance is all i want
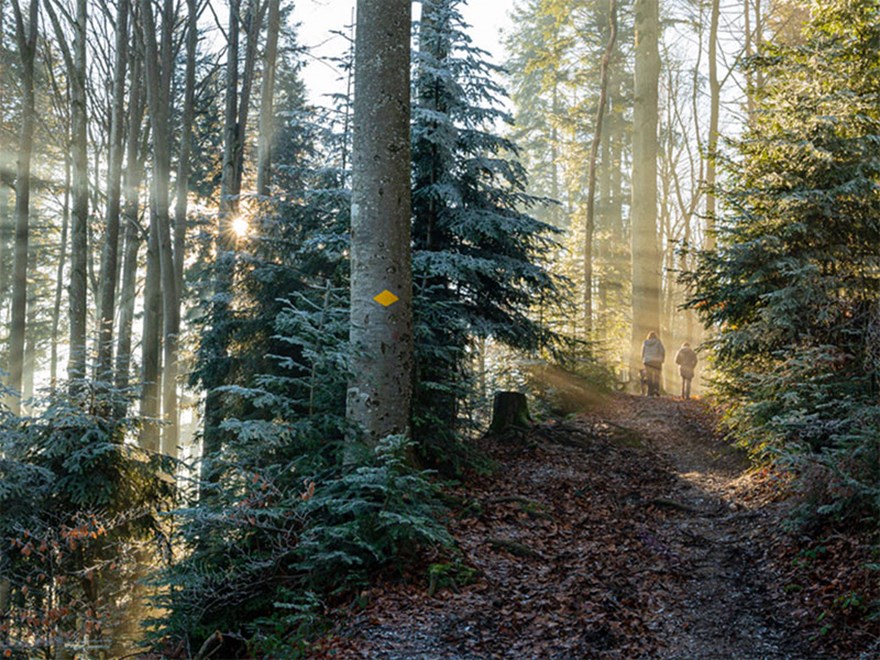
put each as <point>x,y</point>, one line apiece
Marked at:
<point>477,248</point>
<point>792,288</point>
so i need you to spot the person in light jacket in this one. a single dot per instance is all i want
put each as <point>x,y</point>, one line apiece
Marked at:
<point>686,359</point>
<point>653,355</point>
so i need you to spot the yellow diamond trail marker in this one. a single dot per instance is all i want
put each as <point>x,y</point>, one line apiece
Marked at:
<point>386,298</point>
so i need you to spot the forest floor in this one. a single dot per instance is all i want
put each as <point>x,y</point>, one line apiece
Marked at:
<point>630,531</point>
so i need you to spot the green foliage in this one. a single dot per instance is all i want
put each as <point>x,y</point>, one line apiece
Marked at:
<point>273,549</point>
<point>283,429</point>
<point>367,516</point>
<point>450,575</point>
<point>296,514</point>
<point>296,618</point>
<point>293,517</point>
<point>80,508</point>
<point>793,286</point>
<point>477,249</point>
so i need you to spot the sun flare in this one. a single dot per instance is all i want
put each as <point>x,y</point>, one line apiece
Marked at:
<point>240,227</point>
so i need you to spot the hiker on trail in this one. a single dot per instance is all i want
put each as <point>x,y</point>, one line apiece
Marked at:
<point>653,355</point>
<point>686,359</point>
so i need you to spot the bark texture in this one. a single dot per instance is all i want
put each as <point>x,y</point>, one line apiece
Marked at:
<point>380,391</point>
<point>509,409</point>
<point>134,172</point>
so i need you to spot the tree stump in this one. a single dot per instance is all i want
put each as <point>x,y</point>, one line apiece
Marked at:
<point>509,409</point>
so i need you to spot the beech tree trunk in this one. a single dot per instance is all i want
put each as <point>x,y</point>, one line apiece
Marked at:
<point>6,229</point>
<point>645,253</point>
<point>134,173</point>
<point>26,30</point>
<point>380,391</point>
<point>590,225</point>
<point>749,51</point>
<point>62,259</point>
<point>714,111</point>
<point>253,20</point>
<point>79,246</point>
<point>30,345</point>
<point>267,128</point>
<point>186,129</point>
<point>151,341</point>
<point>158,68</point>
<point>225,250</point>
<point>110,254</point>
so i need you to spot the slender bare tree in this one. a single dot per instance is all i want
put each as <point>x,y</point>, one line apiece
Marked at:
<point>75,60</point>
<point>158,67</point>
<point>590,225</point>
<point>714,111</point>
<point>266,128</point>
<point>646,285</point>
<point>132,236</point>
<point>239,80</point>
<point>110,254</point>
<point>26,31</point>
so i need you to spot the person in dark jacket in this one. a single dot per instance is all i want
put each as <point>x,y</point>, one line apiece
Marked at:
<point>653,355</point>
<point>686,359</point>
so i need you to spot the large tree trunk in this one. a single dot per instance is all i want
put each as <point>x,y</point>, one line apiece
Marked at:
<point>714,111</point>
<point>380,391</point>
<point>267,128</point>
<point>590,224</point>
<point>110,254</point>
<point>26,35</point>
<point>645,253</point>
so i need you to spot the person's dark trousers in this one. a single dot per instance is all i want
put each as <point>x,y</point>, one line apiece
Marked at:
<point>653,380</point>
<point>685,388</point>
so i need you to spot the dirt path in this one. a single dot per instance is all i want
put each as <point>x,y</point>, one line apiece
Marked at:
<point>721,608</point>
<point>613,535</point>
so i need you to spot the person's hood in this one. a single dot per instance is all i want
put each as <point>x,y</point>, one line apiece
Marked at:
<point>652,342</point>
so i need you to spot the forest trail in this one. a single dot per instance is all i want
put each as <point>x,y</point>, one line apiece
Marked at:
<point>625,532</point>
